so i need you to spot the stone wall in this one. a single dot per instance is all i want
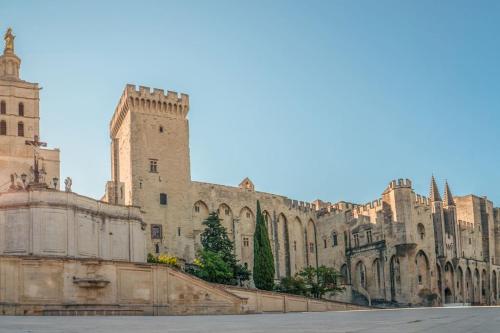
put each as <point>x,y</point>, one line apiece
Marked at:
<point>55,223</point>
<point>61,286</point>
<point>259,301</point>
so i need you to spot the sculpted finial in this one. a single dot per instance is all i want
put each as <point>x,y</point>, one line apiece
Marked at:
<point>9,41</point>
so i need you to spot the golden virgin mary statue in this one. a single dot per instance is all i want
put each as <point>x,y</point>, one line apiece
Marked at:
<point>9,41</point>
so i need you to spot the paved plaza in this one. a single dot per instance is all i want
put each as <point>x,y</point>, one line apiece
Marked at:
<point>456,320</point>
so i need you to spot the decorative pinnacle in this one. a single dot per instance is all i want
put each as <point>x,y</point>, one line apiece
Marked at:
<point>448,197</point>
<point>434,191</point>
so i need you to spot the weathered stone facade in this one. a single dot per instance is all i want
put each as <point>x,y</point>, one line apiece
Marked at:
<point>403,248</point>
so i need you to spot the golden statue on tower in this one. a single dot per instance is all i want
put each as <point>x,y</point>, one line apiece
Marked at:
<point>9,41</point>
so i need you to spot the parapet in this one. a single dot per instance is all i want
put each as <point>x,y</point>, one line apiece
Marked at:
<point>400,183</point>
<point>143,99</point>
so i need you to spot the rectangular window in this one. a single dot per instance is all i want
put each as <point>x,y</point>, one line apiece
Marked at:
<point>295,245</point>
<point>246,242</point>
<point>311,247</point>
<point>156,231</point>
<point>356,240</point>
<point>324,243</point>
<point>420,279</point>
<point>178,231</point>
<point>197,208</point>
<point>153,165</point>
<point>334,239</point>
<point>369,236</point>
<point>163,199</point>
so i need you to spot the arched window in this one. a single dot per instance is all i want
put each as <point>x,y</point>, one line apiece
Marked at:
<point>421,230</point>
<point>20,128</point>
<point>334,239</point>
<point>21,109</point>
<point>3,107</point>
<point>3,127</point>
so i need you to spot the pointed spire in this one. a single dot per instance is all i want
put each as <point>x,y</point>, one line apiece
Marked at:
<point>434,192</point>
<point>448,197</point>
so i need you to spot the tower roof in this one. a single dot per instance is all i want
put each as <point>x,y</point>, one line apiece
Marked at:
<point>434,191</point>
<point>448,197</point>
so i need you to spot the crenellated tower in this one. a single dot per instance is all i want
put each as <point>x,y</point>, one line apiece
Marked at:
<point>150,165</point>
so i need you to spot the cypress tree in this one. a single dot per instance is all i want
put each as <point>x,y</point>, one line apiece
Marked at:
<point>263,262</point>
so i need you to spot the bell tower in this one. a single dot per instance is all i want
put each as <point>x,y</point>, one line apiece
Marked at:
<point>20,127</point>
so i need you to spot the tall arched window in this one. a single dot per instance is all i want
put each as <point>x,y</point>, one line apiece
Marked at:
<point>21,109</point>
<point>20,128</point>
<point>3,127</point>
<point>3,107</point>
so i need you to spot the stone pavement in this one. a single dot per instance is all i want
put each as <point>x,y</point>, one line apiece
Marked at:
<point>456,320</point>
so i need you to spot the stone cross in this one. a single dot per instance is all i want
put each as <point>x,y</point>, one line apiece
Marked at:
<point>36,144</point>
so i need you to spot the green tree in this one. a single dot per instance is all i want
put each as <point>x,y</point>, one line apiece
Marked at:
<point>213,268</point>
<point>321,281</point>
<point>292,285</point>
<point>312,282</point>
<point>263,262</point>
<point>217,262</point>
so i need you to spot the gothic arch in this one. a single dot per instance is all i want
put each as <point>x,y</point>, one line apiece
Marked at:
<point>377,278</point>
<point>345,274</point>
<point>297,245</point>
<point>311,243</point>
<point>484,286</point>
<point>494,286</point>
<point>360,277</point>
<point>200,214</point>
<point>477,287</point>
<point>283,246</point>
<point>469,286</point>
<point>226,216</point>
<point>449,283</point>
<point>460,293</point>
<point>246,229</point>
<point>395,278</point>
<point>269,225</point>
<point>423,270</point>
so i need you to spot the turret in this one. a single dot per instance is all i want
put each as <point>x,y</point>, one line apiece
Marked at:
<point>434,191</point>
<point>450,220</point>
<point>437,217</point>
<point>448,197</point>
<point>9,62</point>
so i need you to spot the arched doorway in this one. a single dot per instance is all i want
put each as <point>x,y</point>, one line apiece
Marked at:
<point>460,285</point>
<point>469,286</point>
<point>423,270</point>
<point>449,283</point>
<point>494,292</point>
<point>395,278</point>
<point>448,296</point>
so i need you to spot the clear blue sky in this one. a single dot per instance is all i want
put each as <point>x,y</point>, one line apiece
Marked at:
<point>309,99</point>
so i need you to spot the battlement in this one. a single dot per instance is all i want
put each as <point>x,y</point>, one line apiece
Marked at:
<point>421,199</point>
<point>400,183</point>
<point>143,99</point>
<point>464,225</point>
<point>156,94</point>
